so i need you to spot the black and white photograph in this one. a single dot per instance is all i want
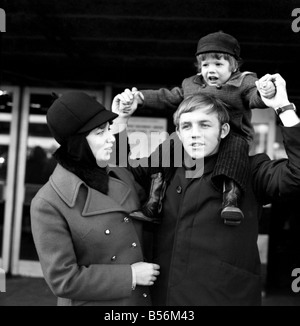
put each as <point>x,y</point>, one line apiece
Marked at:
<point>150,155</point>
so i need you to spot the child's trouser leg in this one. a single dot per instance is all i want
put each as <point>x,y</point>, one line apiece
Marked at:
<point>164,158</point>
<point>230,174</point>
<point>151,209</point>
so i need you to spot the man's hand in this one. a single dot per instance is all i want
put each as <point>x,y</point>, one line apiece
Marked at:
<point>281,98</point>
<point>288,118</point>
<point>267,89</point>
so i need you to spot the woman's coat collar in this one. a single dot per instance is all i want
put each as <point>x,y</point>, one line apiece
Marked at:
<point>67,185</point>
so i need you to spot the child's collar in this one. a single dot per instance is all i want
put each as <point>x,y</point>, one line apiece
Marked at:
<point>235,79</point>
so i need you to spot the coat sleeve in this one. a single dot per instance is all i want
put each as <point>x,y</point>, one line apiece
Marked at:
<point>162,159</point>
<point>162,98</point>
<point>250,93</point>
<point>140,168</point>
<point>53,241</point>
<point>279,177</point>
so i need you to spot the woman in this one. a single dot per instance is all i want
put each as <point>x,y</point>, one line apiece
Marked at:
<point>90,250</point>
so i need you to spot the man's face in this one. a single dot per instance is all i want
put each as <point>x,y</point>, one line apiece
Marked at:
<point>200,133</point>
<point>215,71</point>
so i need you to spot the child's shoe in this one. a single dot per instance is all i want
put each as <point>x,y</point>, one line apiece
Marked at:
<point>231,213</point>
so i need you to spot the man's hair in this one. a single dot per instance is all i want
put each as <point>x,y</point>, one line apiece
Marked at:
<point>233,62</point>
<point>202,101</point>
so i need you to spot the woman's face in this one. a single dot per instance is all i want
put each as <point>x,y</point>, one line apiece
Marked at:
<point>101,142</point>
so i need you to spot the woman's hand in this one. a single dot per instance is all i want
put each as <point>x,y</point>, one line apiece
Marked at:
<point>126,103</point>
<point>146,273</point>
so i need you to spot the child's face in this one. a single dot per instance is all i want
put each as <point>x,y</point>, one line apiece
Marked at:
<point>215,71</point>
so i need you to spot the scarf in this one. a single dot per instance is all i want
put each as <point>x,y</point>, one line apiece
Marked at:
<point>76,156</point>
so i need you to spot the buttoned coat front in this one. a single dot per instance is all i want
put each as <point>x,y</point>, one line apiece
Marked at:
<point>202,260</point>
<point>85,240</point>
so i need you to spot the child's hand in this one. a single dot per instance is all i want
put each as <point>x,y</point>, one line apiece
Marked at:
<point>126,103</point>
<point>267,88</point>
<point>280,98</point>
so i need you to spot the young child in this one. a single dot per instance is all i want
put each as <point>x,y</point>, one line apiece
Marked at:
<point>218,62</point>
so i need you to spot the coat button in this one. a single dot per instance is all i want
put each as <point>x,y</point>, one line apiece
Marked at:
<point>107,232</point>
<point>133,245</point>
<point>126,219</point>
<point>203,85</point>
<point>113,258</point>
<point>145,295</point>
<point>179,190</point>
<point>219,86</point>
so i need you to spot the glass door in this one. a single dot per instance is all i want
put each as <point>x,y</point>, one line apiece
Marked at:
<point>35,165</point>
<point>264,123</point>
<point>9,118</point>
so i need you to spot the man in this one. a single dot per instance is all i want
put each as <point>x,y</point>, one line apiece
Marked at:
<point>204,261</point>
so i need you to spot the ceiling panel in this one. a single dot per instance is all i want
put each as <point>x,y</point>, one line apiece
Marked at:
<point>140,42</point>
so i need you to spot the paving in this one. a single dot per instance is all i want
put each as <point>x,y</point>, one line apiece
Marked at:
<point>29,291</point>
